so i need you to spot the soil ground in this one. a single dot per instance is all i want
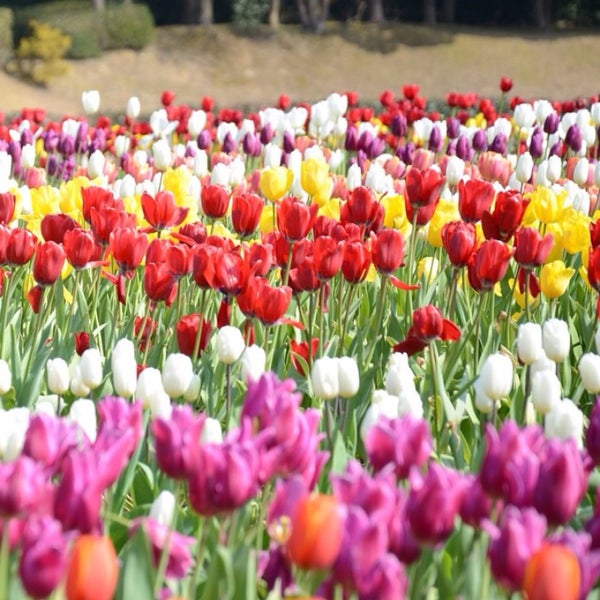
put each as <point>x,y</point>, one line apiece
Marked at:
<point>241,69</point>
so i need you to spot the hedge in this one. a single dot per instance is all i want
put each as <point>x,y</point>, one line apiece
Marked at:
<point>6,35</point>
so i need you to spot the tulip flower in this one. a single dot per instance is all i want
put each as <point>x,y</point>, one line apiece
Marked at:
<point>230,344</point>
<point>554,278</point>
<point>328,256</point>
<point>187,332</point>
<point>57,372</point>
<point>564,421</point>
<point>506,216</point>
<point>275,182</point>
<point>529,342</point>
<point>546,392</point>
<point>295,219</point>
<point>161,211</point>
<point>428,325</point>
<point>324,378</point>
<point>90,101</point>
<point>496,376</point>
<point>54,227</point>
<point>314,176</point>
<point>177,373</point>
<point>80,248</point>
<point>361,207</point>
<point>459,240</point>
<point>7,207</point>
<point>387,250</point>
<point>356,261</point>
<point>5,377</point>
<point>214,200</point>
<point>475,196</point>
<point>589,371</point>
<point>316,537</point>
<point>48,263</point>
<point>160,284</point>
<point>556,339</point>
<point>93,570</point>
<point>246,210</point>
<point>124,368</point>
<point>552,573</point>
<point>422,194</point>
<point>488,265</point>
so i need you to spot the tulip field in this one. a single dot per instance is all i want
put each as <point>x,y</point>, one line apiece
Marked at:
<point>334,350</point>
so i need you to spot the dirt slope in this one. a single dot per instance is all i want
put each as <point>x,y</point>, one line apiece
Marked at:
<point>243,70</point>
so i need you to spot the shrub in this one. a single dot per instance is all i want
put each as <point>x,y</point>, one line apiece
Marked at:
<point>249,13</point>
<point>127,26</point>
<point>6,36</point>
<point>39,57</point>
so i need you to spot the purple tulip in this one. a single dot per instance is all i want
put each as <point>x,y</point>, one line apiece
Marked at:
<point>399,125</point>
<point>476,505</point>
<point>365,140</point>
<point>175,441</point>
<point>204,140</point>
<point>520,534</point>
<point>43,558</point>
<point>81,138</point>
<point>433,503</point>
<point>511,463</point>
<point>26,137</point>
<point>351,141</point>
<point>163,539</point>
<point>52,165</point>
<point>229,144</point>
<point>51,140</point>
<point>66,168</point>
<point>562,481</point>
<point>555,149</point>
<point>536,145</point>
<point>463,150</point>
<point>289,142</point>
<point>408,153</point>
<point>573,138</point>
<point>273,566</point>
<point>498,144</point>
<point>376,147</point>
<point>435,140</point>
<point>98,141</point>
<point>190,151</point>
<point>479,141</point>
<point>24,488</point>
<point>592,435</point>
<point>266,134</point>
<point>251,144</point>
<point>403,442</point>
<point>451,148</point>
<point>551,123</point>
<point>452,128</point>
<point>402,541</point>
<point>388,580</point>
<point>14,150</point>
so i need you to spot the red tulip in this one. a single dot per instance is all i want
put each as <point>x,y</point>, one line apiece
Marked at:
<point>231,272</point>
<point>295,219</point>
<point>475,196</point>
<point>304,277</point>
<point>300,350</point>
<point>508,211</point>
<point>82,341</point>
<point>361,207</point>
<point>128,247</point>
<point>260,258</point>
<point>250,296</point>
<point>98,198</point>
<point>488,265</point>
<point>81,248</point>
<point>161,211</point>
<point>191,233</point>
<point>246,210</point>
<point>215,201</point>
<point>7,208</point>
<point>410,91</point>
<point>4,242</point>
<point>178,259</point>
<point>157,250</point>
<point>54,227</point>
<point>356,262</point>
<point>21,246</point>
<point>281,248</point>
<point>422,193</point>
<point>167,97</point>
<point>106,220</point>
<point>387,250</point>
<point>595,233</point>
<point>506,84</point>
<point>48,263</point>
<point>459,240</point>
<point>273,303</point>
<point>187,329</point>
<point>143,330</point>
<point>328,257</point>
<point>593,268</point>
<point>159,283</point>
<point>531,249</point>
<point>203,265</point>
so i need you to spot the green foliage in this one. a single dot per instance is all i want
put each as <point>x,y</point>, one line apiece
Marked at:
<point>39,57</point>
<point>6,35</point>
<point>118,26</point>
<point>248,13</point>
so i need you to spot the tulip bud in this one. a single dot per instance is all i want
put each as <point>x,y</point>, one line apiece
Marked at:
<point>589,371</point>
<point>77,387</point>
<point>211,432</point>
<point>191,394</point>
<point>555,339</point>
<point>455,169</point>
<point>133,107</point>
<point>161,151</point>
<point>529,342</point>
<point>354,177</point>
<point>13,427</point>
<point>230,344</point>
<point>581,172</point>
<point>565,421</point>
<point>95,165</point>
<point>5,377</point>
<point>149,385</point>
<point>399,376</point>
<point>177,374</point>
<point>545,391</point>
<point>83,412</point>
<point>554,168</point>
<point>93,569</point>
<point>196,123</point>
<point>90,101</point>
<point>163,508</point>
<point>124,368</point>
<point>324,378</point>
<point>349,378</point>
<point>90,368</point>
<point>253,363</point>
<point>57,372</point>
<point>496,376</point>
<point>524,167</point>
<point>27,156</point>
<point>482,401</point>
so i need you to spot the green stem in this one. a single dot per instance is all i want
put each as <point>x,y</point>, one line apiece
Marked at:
<point>73,304</point>
<point>36,331</point>
<point>199,332</point>
<point>5,302</point>
<point>349,295</point>
<point>5,561</point>
<point>199,556</point>
<point>452,293</point>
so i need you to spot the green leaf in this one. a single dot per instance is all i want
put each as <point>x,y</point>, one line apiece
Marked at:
<point>340,456</point>
<point>135,576</point>
<point>220,575</point>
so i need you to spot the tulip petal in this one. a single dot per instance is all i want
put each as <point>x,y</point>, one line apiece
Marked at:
<point>403,286</point>
<point>410,346</point>
<point>450,331</point>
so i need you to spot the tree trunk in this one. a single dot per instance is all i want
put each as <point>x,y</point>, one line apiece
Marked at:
<point>542,13</point>
<point>274,12</point>
<point>206,12</point>
<point>376,14</point>
<point>189,11</point>
<point>449,11</point>
<point>99,4</point>
<point>313,13</point>
<point>429,12</point>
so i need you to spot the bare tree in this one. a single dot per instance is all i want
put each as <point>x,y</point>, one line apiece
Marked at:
<point>376,14</point>
<point>449,11</point>
<point>274,12</point>
<point>542,13</point>
<point>313,13</point>
<point>429,12</point>
<point>206,12</point>
<point>99,4</point>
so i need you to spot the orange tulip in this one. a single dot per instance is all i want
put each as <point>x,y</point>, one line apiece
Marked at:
<point>552,573</point>
<point>93,569</point>
<point>317,530</point>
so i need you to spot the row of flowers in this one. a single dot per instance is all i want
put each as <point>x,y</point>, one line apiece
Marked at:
<point>322,349</point>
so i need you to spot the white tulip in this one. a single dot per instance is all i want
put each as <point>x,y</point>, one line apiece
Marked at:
<point>338,105</point>
<point>254,360</point>
<point>127,188</point>
<point>399,376</point>
<point>410,403</point>
<point>124,368</point>
<point>496,376</point>
<point>177,374</point>
<point>90,101</point>
<point>57,372</point>
<point>121,146</point>
<point>45,407</point>
<point>545,391</point>
<point>161,151</point>
<point>273,154</point>
<point>555,339</point>
<point>340,127</point>
<point>163,508</point>
<point>482,401</point>
<point>455,169</point>
<point>348,375</point>
<point>83,412</point>
<point>230,344</point>
<point>336,159</point>
<point>27,156</point>
<point>597,174</point>
<point>595,113</point>
<point>13,428</point>
<point>523,115</point>
<point>382,404</point>
<point>196,122</point>
<point>200,163</point>
<point>529,342</point>
<point>542,108</point>
<point>5,167</point>
<point>524,167</point>
<point>565,421</point>
<point>133,107</point>
<point>220,175</point>
<point>324,378</point>
<point>160,405</point>
<point>77,386</point>
<point>149,384</point>
<point>191,394</point>
<point>375,178</point>
<point>589,371</point>
<point>237,172</point>
<point>211,432</point>
<point>95,165</point>
<point>354,177</point>
<point>90,367</point>
<point>140,158</point>
<point>5,377</point>
<point>554,169</point>
<point>581,171</point>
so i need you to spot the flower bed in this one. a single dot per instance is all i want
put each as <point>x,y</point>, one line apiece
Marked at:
<point>321,350</point>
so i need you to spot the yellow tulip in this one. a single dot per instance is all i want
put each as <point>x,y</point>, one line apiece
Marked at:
<point>71,201</point>
<point>545,205</point>
<point>556,253</point>
<point>275,182</point>
<point>554,278</point>
<point>267,219</point>
<point>575,231</point>
<point>395,214</point>
<point>314,176</point>
<point>177,181</point>
<point>330,209</point>
<point>445,212</point>
<point>428,268</point>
